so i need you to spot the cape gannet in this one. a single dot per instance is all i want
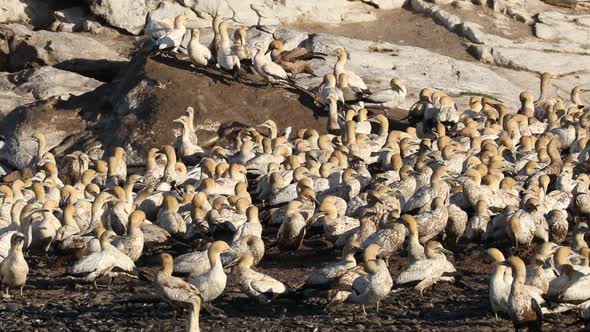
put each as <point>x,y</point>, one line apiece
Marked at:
<point>14,268</point>
<point>178,291</point>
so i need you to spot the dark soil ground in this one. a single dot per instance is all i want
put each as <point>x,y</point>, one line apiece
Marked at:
<point>53,301</point>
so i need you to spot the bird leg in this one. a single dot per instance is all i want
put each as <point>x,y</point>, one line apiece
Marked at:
<point>364,311</point>
<point>110,282</point>
<point>212,310</point>
<point>7,294</point>
<point>21,290</point>
<point>377,309</point>
<point>95,285</point>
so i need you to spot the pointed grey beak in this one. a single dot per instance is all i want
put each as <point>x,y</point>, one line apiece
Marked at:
<point>445,251</point>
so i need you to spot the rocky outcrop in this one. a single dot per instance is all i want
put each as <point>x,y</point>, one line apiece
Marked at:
<point>75,52</point>
<point>29,85</point>
<point>558,26</point>
<point>51,117</point>
<point>576,4</point>
<point>76,19</point>
<point>154,92</point>
<point>129,15</point>
<point>533,61</point>
<point>34,12</point>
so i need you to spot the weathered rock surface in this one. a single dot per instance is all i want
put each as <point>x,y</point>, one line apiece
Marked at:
<point>554,25</point>
<point>570,3</point>
<point>76,19</point>
<point>51,117</point>
<point>41,83</point>
<point>129,15</point>
<point>81,53</point>
<point>534,61</point>
<point>35,12</point>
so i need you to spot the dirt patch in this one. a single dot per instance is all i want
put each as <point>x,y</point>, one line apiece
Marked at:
<point>403,27</point>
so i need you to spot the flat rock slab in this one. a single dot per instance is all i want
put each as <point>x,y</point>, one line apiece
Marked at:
<point>79,52</point>
<point>558,26</point>
<point>41,83</point>
<point>534,61</point>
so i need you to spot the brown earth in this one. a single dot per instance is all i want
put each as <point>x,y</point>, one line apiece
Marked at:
<point>399,26</point>
<point>155,91</point>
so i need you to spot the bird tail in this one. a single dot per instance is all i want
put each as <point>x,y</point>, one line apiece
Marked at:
<point>144,276</point>
<point>236,72</point>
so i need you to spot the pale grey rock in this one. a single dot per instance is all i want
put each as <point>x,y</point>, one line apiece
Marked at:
<point>129,15</point>
<point>75,19</point>
<point>533,60</point>
<point>69,51</point>
<point>45,82</point>
<point>558,26</point>
<point>472,32</point>
<point>34,12</point>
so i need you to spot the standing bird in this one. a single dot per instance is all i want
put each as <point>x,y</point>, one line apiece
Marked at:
<point>524,309</point>
<point>269,70</point>
<point>226,57</point>
<point>101,263</point>
<point>353,79</point>
<point>14,268</point>
<point>178,291</point>
<point>197,52</point>
<point>173,38</point>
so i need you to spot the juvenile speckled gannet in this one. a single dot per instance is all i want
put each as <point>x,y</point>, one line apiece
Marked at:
<point>293,61</point>
<point>177,290</point>
<point>524,309</point>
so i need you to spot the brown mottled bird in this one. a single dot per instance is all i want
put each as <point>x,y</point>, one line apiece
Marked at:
<point>293,61</point>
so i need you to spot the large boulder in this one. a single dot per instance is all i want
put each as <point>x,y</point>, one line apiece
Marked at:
<point>77,19</point>
<point>34,12</point>
<point>129,15</point>
<point>51,117</point>
<point>79,52</point>
<point>28,85</point>
<point>154,92</point>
